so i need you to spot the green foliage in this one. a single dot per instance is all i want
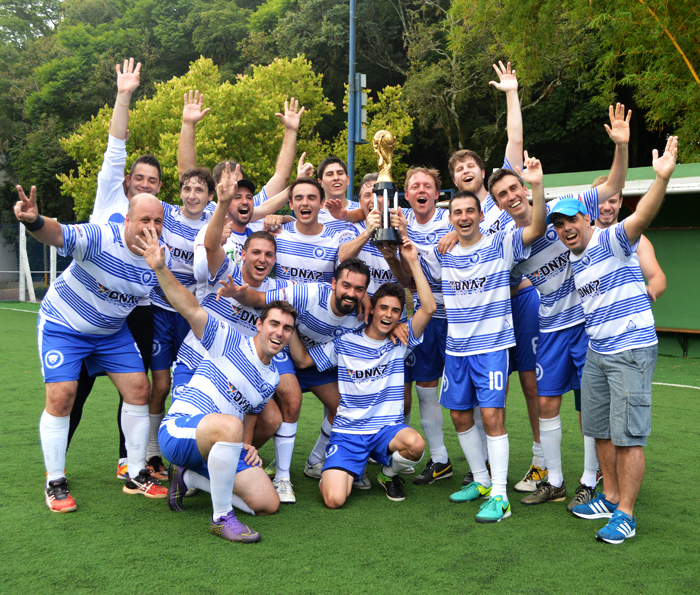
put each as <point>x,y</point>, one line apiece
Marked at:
<point>240,126</point>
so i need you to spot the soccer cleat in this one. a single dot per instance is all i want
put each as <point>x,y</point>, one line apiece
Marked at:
<point>494,510</point>
<point>371,461</point>
<point>230,528</point>
<point>529,483</point>
<point>177,488</point>
<point>393,486</point>
<point>284,491</point>
<point>620,527</point>
<point>545,492</point>
<point>598,508</point>
<point>598,475</point>
<point>473,491</point>
<point>191,492</point>
<point>363,483</point>
<point>469,477</point>
<point>144,484</point>
<point>433,472</point>
<point>408,471</point>
<point>156,467</point>
<point>58,498</point>
<point>583,495</point>
<point>271,469</point>
<point>122,469</point>
<point>313,471</point>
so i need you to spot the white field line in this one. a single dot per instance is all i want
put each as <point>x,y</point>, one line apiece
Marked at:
<point>678,385</point>
<point>18,310</point>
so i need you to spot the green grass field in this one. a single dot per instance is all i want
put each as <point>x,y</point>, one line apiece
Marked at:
<point>117,543</point>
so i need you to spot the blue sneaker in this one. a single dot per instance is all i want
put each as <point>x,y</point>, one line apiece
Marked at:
<point>598,508</point>
<point>620,527</point>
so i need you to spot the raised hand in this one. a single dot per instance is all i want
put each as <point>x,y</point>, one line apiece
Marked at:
<point>506,78</point>
<point>409,251</point>
<point>335,207</point>
<point>193,111</point>
<point>664,165</point>
<point>230,290</point>
<point>228,184</point>
<point>273,224</point>
<point>374,220</point>
<point>399,222</point>
<point>304,169</point>
<point>152,252</point>
<point>226,233</point>
<point>25,208</point>
<point>531,171</point>
<point>292,115</point>
<point>128,78</point>
<point>619,129</point>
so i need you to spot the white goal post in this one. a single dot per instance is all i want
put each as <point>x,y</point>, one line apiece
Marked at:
<point>26,285</point>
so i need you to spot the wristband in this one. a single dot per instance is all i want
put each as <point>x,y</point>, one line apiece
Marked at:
<point>35,225</point>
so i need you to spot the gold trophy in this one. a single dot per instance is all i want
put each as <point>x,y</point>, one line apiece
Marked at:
<point>384,144</point>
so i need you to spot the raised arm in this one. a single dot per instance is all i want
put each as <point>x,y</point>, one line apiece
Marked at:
<point>532,174</point>
<point>508,83</point>
<point>192,113</point>
<point>335,207</point>
<point>178,295</point>
<point>243,294</point>
<point>353,248</point>
<point>422,316</point>
<point>649,205</point>
<point>654,276</point>
<point>299,353</point>
<point>396,265</point>
<point>225,190</point>
<point>285,160</point>
<point>127,83</point>
<point>47,231</point>
<point>619,133</point>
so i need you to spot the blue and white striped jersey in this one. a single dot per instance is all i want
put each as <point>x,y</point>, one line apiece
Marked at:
<point>495,219</point>
<point>548,270</point>
<point>476,287</point>
<point>336,225</point>
<point>306,259</point>
<point>370,380</point>
<point>316,322</point>
<point>611,287</point>
<point>104,282</point>
<point>426,237</point>
<point>179,235</point>
<point>231,379</point>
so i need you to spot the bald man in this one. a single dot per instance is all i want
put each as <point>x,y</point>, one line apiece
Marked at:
<point>82,319</point>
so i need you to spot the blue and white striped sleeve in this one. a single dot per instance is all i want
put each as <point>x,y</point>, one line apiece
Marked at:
<point>325,356</point>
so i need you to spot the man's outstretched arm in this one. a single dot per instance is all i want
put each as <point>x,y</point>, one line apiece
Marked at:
<point>226,190</point>
<point>192,112</point>
<point>46,230</point>
<point>653,274</point>
<point>619,133</point>
<point>532,174</point>
<point>508,83</point>
<point>285,160</point>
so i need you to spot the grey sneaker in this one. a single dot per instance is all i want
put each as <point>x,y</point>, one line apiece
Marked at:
<point>545,492</point>
<point>313,471</point>
<point>583,495</point>
<point>285,491</point>
<point>363,483</point>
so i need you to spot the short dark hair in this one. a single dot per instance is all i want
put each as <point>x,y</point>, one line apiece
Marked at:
<point>260,235</point>
<point>148,160</point>
<point>465,194</point>
<point>202,174</point>
<point>462,155</point>
<point>352,265</point>
<point>330,160</point>
<point>285,307</point>
<point>311,181</point>
<point>501,173</point>
<point>368,179</point>
<point>220,167</point>
<point>391,290</point>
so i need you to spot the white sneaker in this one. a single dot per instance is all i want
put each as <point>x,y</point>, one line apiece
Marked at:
<point>313,471</point>
<point>190,492</point>
<point>529,483</point>
<point>285,491</point>
<point>408,471</point>
<point>363,483</point>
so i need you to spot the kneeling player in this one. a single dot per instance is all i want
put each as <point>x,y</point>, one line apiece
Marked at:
<point>369,419</point>
<point>203,431</point>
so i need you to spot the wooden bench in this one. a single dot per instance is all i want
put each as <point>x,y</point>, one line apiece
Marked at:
<point>681,336</point>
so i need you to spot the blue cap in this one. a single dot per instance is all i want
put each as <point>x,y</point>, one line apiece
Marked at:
<point>568,207</point>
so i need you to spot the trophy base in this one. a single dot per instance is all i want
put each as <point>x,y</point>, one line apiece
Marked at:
<point>384,235</point>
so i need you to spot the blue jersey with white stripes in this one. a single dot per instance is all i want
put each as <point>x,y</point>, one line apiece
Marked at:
<point>370,380</point>
<point>476,288</point>
<point>231,379</point>
<point>611,287</point>
<point>104,282</point>
<point>306,259</point>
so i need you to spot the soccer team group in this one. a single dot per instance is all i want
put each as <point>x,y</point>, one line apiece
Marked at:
<point>240,311</point>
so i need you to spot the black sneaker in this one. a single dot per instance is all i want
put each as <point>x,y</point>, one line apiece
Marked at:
<point>584,495</point>
<point>433,472</point>
<point>469,477</point>
<point>58,498</point>
<point>393,486</point>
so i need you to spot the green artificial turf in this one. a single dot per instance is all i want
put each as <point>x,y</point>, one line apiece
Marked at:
<point>117,543</point>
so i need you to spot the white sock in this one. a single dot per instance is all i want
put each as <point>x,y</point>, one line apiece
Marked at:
<point>550,437</point>
<point>197,481</point>
<point>222,464</point>
<point>240,504</point>
<point>53,432</point>
<point>407,418</point>
<point>284,446</point>
<point>498,456</point>
<point>135,425</point>
<point>538,458</point>
<point>470,441</point>
<point>590,462</point>
<point>480,426</point>
<point>398,464</point>
<point>153,449</point>
<point>431,422</point>
<point>319,451</point>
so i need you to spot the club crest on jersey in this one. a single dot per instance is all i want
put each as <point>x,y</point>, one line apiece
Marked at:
<point>589,290</point>
<point>506,324</point>
<point>53,359</point>
<point>120,299</point>
<point>299,273</point>
<point>474,258</point>
<point>281,357</point>
<point>631,326</point>
<point>147,277</point>
<point>551,234</point>
<point>468,286</point>
<point>369,374</point>
<point>586,261</point>
<point>319,252</point>
<point>430,238</point>
<point>237,397</point>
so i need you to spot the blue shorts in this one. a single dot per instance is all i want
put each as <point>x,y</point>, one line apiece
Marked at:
<point>427,361</point>
<point>561,356</point>
<point>182,374</point>
<point>63,350</point>
<point>178,444</point>
<point>526,324</point>
<point>350,452</point>
<point>307,377</point>
<point>169,331</point>
<point>475,381</point>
